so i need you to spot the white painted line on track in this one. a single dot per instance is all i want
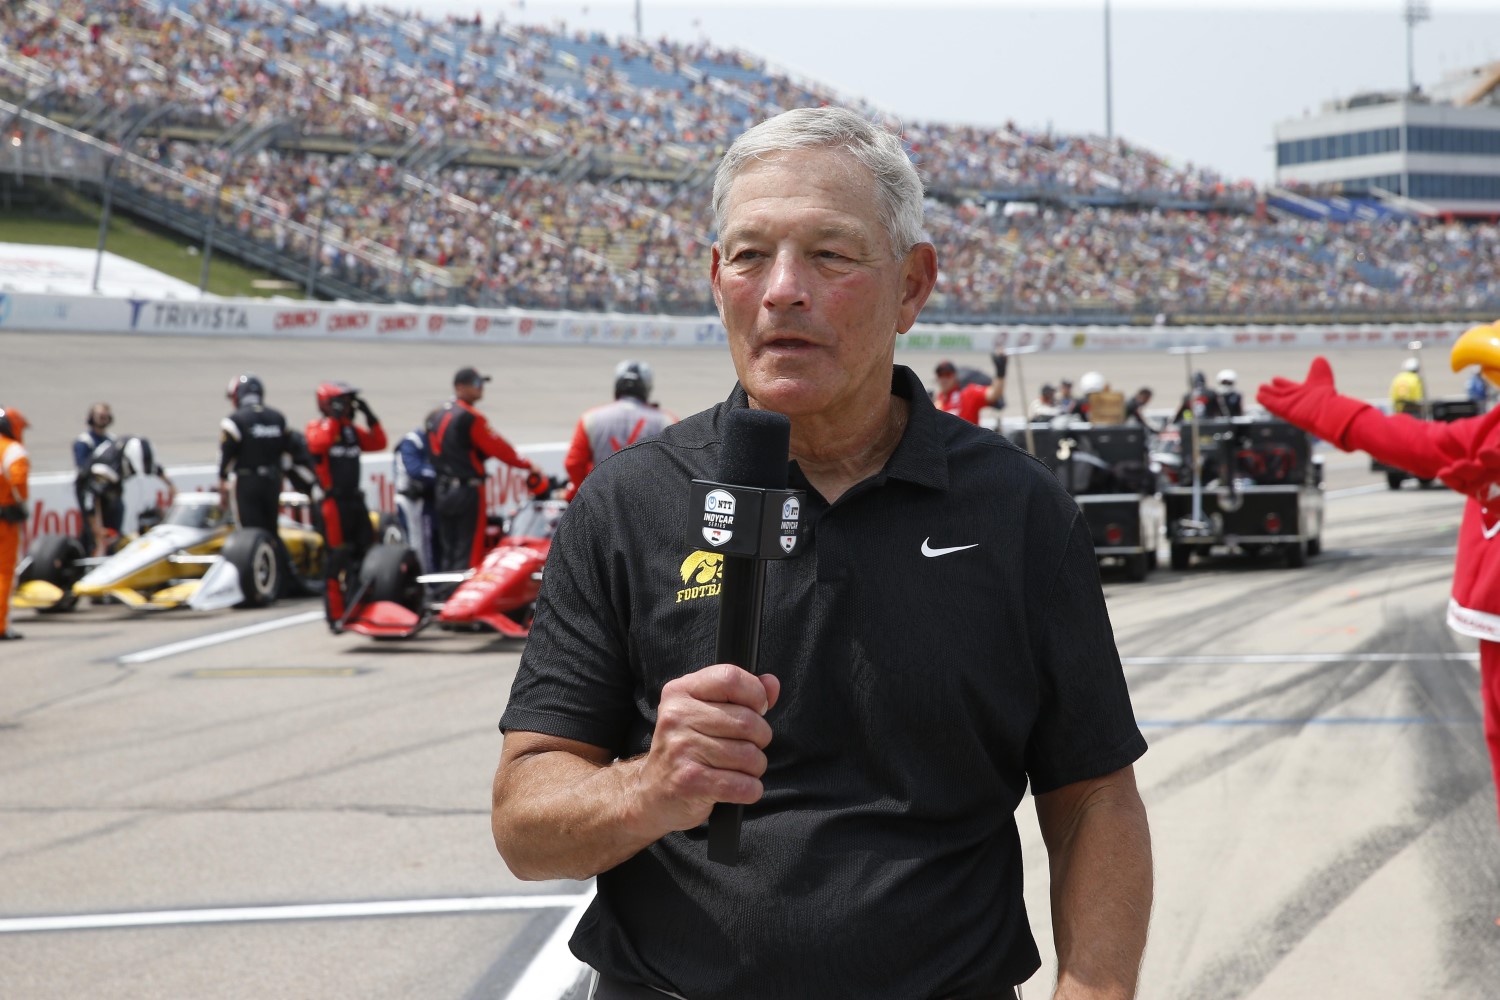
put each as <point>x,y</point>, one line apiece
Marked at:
<point>188,645</point>
<point>305,911</point>
<point>1159,661</point>
<point>554,969</point>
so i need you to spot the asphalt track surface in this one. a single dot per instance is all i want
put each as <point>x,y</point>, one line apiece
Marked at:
<point>1323,816</point>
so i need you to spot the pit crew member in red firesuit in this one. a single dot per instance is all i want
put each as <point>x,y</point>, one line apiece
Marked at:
<point>461,438</point>
<point>964,398</point>
<point>606,429</point>
<point>15,468</point>
<point>1464,454</point>
<point>335,442</point>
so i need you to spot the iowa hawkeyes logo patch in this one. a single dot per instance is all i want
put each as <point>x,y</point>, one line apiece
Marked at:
<point>702,572</point>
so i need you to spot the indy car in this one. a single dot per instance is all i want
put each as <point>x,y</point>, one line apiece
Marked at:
<point>1106,469</point>
<point>195,557</point>
<point>1260,491</point>
<point>1445,410</point>
<point>390,599</point>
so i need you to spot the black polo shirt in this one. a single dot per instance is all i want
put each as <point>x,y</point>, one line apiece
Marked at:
<point>942,639</point>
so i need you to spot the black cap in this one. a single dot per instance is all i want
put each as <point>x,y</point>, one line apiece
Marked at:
<point>469,376</point>
<point>945,368</point>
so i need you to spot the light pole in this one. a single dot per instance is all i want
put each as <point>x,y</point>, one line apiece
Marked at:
<point>1109,101</point>
<point>1415,13</point>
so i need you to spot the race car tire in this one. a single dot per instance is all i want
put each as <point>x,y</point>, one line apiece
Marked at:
<point>1296,554</point>
<point>1315,545</point>
<point>391,572</point>
<point>388,530</point>
<point>252,552</point>
<point>1137,565</point>
<point>54,560</point>
<point>1394,479</point>
<point>1182,556</point>
<point>1425,484</point>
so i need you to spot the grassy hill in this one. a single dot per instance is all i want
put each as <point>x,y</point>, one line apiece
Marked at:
<point>54,215</point>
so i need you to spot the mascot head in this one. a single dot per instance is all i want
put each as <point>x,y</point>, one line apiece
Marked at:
<point>1480,346</point>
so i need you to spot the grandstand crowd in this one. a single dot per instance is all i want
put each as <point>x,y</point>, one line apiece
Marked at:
<point>481,162</point>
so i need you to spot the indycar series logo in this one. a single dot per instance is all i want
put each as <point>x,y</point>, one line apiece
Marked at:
<point>703,573</point>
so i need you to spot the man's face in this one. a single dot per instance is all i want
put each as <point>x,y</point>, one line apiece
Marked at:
<point>947,382</point>
<point>469,392</point>
<point>807,286</point>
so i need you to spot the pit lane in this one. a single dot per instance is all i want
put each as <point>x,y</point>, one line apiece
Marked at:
<point>1323,815</point>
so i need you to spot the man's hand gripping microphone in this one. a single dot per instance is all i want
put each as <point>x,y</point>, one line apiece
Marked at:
<point>750,516</point>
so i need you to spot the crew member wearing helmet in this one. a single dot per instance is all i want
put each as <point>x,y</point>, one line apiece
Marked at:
<point>258,450</point>
<point>99,419</point>
<point>1088,384</point>
<point>461,439</point>
<point>606,429</point>
<point>334,442</point>
<point>1407,390</point>
<point>1231,403</point>
<point>1199,402</point>
<point>1464,454</point>
<point>102,482</point>
<point>965,393</point>
<point>15,468</point>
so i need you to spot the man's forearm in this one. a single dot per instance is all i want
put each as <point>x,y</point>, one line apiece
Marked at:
<point>557,815</point>
<point>1101,893</point>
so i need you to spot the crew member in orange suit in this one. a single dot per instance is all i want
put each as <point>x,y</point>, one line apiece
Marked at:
<point>1464,454</point>
<point>15,468</point>
<point>461,439</point>
<point>335,442</point>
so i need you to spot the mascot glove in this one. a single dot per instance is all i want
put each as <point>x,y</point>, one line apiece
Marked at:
<point>1313,405</point>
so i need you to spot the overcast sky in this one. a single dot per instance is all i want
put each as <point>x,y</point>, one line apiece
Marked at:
<point>1201,82</point>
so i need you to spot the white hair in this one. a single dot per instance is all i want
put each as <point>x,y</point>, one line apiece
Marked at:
<point>897,185</point>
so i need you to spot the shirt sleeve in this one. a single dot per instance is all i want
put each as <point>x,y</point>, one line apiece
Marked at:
<point>493,445</point>
<point>370,438</point>
<point>579,460</point>
<point>1085,726</point>
<point>574,681</point>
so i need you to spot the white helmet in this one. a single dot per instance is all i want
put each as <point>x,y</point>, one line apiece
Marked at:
<point>1090,383</point>
<point>1228,377</point>
<point>1411,364</point>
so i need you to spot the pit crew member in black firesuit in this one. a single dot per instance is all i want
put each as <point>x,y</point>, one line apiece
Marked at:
<point>606,429</point>
<point>335,442</point>
<point>461,438</point>
<point>256,447</point>
<point>99,419</point>
<point>102,482</point>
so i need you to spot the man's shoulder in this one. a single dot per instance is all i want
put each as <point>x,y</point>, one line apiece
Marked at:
<point>685,448</point>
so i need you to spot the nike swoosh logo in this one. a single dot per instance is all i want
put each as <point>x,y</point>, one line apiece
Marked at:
<point>929,551</point>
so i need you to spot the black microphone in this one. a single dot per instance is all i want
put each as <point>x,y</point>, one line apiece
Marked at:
<point>750,516</point>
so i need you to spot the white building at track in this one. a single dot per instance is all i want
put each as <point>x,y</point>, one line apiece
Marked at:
<point>1439,150</point>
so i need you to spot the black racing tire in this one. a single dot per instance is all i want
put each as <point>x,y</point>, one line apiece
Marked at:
<point>1425,484</point>
<point>1182,556</point>
<point>1137,565</point>
<point>1394,479</point>
<point>55,560</point>
<point>388,531</point>
<point>252,551</point>
<point>392,571</point>
<point>1296,554</point>
<point>1315,545</point>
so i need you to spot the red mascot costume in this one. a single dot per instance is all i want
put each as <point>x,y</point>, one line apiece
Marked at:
<point>1464,454</point>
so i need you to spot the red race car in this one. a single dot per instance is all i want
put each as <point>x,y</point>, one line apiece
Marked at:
<point>391,600</point>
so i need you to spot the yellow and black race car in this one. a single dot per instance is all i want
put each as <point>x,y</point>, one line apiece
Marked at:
<point>194,558</point>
